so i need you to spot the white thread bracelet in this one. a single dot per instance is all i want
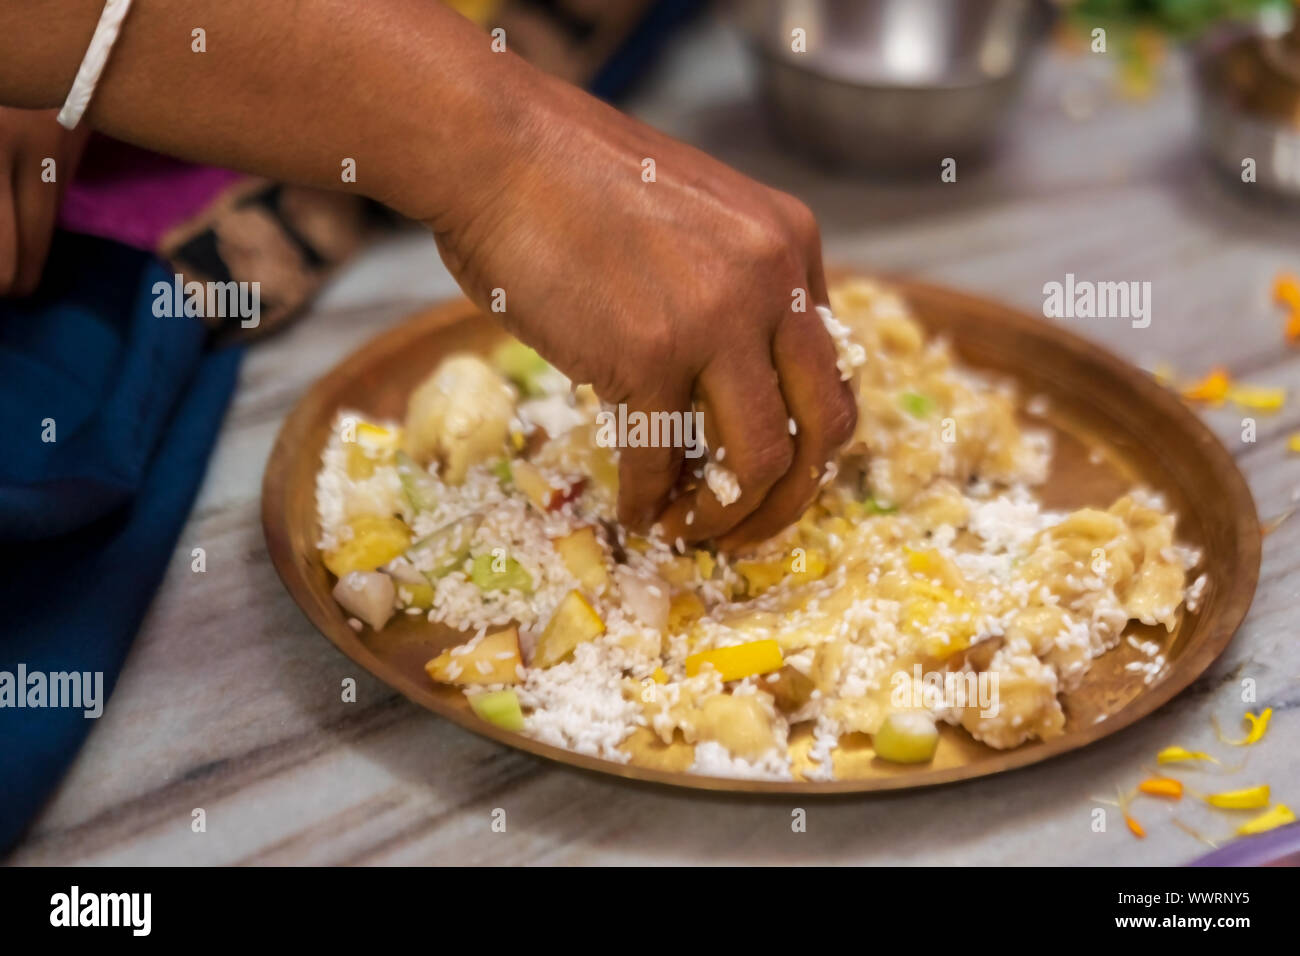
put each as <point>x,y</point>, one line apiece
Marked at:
<point>92,65</point>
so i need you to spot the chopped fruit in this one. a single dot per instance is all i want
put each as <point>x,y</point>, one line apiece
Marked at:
<point>523,366</point>
<point>500,707</point>
<point>498,573</point>
<point>943,621</point>
<point>739,723</point>
<point>585,558</point>
<point>906,736</point>
<point>792,689</point>
<point>367,595</point>
<point>375,541</point>
<point>503,471</point>
<point>543,495</point>
<point>684,609</point>
<point>1213,388</point>
<point>460,414</point>
<point>359,464</point>
<point>677,569</point>
<point>419,595</point>
<point>704,563</point>
<point>1279,816</point>
<point>916,404</point>
<point>495,659</point>
<point>574,622</point>
<point>800,566</point>
<point>378,437</point>
<point>1252,798</point>
<point>418,486</point>
<point>740,661</point>
<point>660,676</point>
<point>439,553</point>
<point>644,596</point>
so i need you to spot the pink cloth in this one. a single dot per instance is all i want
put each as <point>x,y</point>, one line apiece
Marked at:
<point>134,196</point>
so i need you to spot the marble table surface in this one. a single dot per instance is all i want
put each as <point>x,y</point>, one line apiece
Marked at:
<point>230,701</point>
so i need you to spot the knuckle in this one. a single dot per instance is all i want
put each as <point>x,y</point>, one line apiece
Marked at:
<point>841,418</point>
<point>769,461</point>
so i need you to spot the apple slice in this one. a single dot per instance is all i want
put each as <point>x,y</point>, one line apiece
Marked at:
<point>545,496</point>
<point>574,622</point>
<point>493,660</point>
<point>500,707</point>
<point>585,558</point>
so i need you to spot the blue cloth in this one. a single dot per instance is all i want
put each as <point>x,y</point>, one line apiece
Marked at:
<point>89,520</point>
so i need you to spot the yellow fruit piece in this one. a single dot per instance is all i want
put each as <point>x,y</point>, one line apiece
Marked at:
<point>740,661</point>
<point>705,564</point>
<point>1293,443</point>
<point>678,569</point>
<point>1279,816</point>
<point>378,437</point>
<point>375,541</point>
<point>906,737</point>
<point>494,660</point>
<point>420,595</point>
<point>943,622</point>
<point>684,609</point>
<point>574,622</point>
<point>660,676</point>
<point>802,565</point>
<point>585,558</point>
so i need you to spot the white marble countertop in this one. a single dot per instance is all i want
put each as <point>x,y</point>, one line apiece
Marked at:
<point>230,700</point>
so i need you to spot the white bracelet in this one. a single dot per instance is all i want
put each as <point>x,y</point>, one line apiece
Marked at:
<point>92,65</point>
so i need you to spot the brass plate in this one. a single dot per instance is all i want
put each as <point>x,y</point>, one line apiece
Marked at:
<point>1114,427</point>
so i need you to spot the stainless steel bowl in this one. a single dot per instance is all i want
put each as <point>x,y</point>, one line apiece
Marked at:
<point>1248,96</point>
<point>892,84</point>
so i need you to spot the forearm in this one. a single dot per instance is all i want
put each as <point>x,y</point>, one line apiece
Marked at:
<point>289,89</point>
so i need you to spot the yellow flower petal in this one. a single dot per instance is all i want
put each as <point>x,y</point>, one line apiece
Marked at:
<point>1181,755</point>
<point>1258,726</point>
<point>1213,388</point>
<point>1279,816</point>
<point>1257,397</point>
<point>1252,798</point>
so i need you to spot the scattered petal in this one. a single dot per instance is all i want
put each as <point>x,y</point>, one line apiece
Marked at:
<point>1181,755</point>
<point>1258,727</point>
<point>1251,798</point>
<point>1257,397</point>
<point>1279,816</point>
<point>1162,787</point>
<point>1213,388</point>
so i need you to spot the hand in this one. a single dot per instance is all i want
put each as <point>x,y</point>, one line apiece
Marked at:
<point>661,294</point>
<point>29,205</point>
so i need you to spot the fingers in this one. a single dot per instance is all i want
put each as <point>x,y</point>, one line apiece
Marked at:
<point>743,403</point>
<point>824,413</point>
<point>648,474</point>
<point>36,206</point>
<point>8,230</point>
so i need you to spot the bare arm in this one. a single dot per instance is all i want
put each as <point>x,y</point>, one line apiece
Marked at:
<point>660,291</point>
